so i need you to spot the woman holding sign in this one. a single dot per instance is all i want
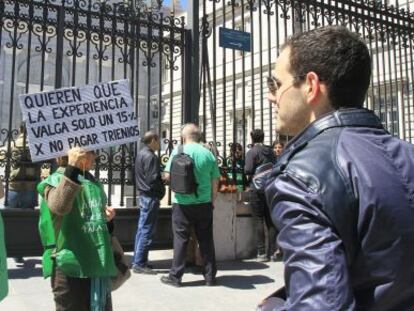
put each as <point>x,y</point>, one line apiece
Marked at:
<point>73,228</point>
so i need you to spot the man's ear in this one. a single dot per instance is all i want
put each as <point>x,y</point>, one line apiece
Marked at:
<point>312,88</point>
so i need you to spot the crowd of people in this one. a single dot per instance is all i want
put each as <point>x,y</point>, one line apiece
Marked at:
<point>340,196</point>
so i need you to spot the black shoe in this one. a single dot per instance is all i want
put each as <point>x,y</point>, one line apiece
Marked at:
<point>143,270</point>
<point>168,281</point>
<point>211,282</point>
<point>19,260</point>
<point>132,265</point>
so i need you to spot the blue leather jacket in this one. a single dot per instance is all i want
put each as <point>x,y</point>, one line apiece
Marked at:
<point>342,198</point>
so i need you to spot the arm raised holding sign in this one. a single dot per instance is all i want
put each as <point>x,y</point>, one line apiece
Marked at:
<point>73,229</point>
<point>60,199</point>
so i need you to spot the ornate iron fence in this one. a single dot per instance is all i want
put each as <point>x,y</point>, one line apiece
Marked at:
<point>46,44</point>
<point>237,91</point>
<point>55,43</point>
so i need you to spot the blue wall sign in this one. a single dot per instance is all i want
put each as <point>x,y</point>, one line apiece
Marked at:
<point>234,39</point>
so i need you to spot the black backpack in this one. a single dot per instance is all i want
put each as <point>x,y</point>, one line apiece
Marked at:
<point>182,178</point>
<point>263,170</point>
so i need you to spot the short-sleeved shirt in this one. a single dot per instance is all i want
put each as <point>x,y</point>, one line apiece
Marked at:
<point>205,170</point>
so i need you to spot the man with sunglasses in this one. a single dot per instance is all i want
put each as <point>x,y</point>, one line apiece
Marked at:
<point>342,192</point>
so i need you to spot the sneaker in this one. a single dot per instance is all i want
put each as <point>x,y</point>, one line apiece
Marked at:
<point>143,270</point>
<point>262,258</point>
<point>169,281</point>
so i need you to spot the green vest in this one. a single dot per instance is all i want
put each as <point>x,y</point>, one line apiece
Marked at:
<point>82,246</point>
<point>3,264</point>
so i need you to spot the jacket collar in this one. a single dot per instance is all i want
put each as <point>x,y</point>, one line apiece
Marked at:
<point>350,117</point>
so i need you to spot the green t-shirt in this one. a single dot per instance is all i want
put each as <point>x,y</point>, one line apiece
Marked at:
<point>205,170</point>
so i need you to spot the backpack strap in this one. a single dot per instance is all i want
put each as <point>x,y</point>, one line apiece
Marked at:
<point>180,149</point>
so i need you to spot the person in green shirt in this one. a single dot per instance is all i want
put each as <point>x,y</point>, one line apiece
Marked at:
<point>195,209</point>
<point>74,232</point>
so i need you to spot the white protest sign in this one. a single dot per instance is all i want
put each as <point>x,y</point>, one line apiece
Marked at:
<point>90,117</point>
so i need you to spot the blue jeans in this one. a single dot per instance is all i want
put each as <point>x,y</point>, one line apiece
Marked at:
<point>22,199</point>
<point>147,222</point>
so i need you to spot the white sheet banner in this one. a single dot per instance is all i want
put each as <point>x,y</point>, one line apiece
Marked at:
<point>90,117</point>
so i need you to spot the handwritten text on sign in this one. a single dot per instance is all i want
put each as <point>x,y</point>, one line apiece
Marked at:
<point>91,117</point>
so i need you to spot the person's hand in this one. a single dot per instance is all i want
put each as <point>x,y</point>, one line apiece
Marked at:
<point>110,213</point>
<point>77,157</point>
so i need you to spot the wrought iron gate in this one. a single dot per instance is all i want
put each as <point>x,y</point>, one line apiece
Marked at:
<point>238,85</point>
<point>54,43</point>
<point>48,44</point>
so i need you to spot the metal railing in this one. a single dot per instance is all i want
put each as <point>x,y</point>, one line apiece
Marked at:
<point>53,43</point>
<point>238,78</point>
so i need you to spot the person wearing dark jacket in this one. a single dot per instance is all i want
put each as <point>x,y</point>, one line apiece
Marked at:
<point>151,191</point>
<point>341,193</point>
<point>260,154</point>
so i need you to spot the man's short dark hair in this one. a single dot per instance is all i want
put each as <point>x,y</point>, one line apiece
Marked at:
<point>149,137</point>
<point>339,57</point>
<point>257,136</point>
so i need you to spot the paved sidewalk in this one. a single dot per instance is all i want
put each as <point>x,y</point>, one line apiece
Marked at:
<point>241,285</point>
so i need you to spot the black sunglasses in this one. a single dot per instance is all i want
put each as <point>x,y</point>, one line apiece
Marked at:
<point>272,83</point>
